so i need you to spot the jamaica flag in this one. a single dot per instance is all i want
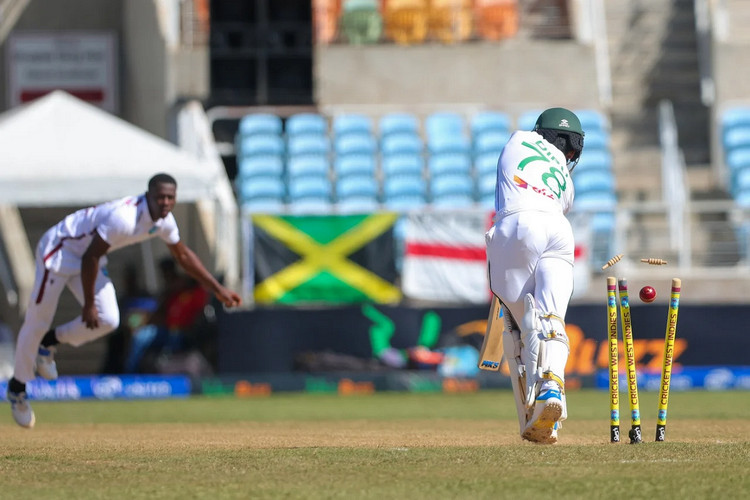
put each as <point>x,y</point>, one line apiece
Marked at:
<point>324,258</point>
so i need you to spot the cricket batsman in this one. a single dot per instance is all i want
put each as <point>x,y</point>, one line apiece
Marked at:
<point>530,260</point>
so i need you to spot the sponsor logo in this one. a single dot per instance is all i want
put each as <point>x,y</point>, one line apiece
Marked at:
<point>564,123</point>
<point>662,415</point>
<point>615,415</point>
<point>490,364</point>
<point>635,415</point>
<point>106,387</point>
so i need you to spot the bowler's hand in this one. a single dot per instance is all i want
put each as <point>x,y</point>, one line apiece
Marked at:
<point>228,297</point>
<point>90,316</point>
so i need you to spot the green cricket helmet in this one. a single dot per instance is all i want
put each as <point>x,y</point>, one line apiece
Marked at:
<point>562,128</point>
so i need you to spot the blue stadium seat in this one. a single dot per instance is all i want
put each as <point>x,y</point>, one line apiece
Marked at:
<point>355,164</point>
<point>737,137</point>
<point>260,166</point>
<point>261,188</point>
<point>486,121</point>
<point>307,166</point>
<point>486,164</point>
<point>398,123</point>
<point>595,201</point>
<point>308,144</point>
<point>734,117</point>
<point>260,123</point>
<point>402,165</point>
<point>357,186</point>
<point>487,201</point>
<point>405,203</point>
<point>260,144</point>
<point>358,205</point>
<point>740,182</point>
<point>527,119</point>
<point>352,123</point>
<point>738,158</point>
<point>312,205</point>
<point>445,122</point>
<point>486,185</point>
<point>448,163</point>
<point>451,186</point>
<point>593,180</point>
<point>355,143</point>
<point>596,139</point>
<point>402,142</point>
<point>404,187</point>
<point>306,123</point>
<point>593,159</point>
<point>491,141</point>
<point>263,205</point>
<point>309,187</point>
<point>592,119</point>
<point>448,143</point>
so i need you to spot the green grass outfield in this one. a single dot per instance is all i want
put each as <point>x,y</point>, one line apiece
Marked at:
<point>383,446</point>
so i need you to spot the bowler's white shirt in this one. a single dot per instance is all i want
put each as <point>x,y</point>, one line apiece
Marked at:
<point>120,223</point>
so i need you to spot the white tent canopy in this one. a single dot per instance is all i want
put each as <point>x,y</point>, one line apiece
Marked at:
<point>59,151</point>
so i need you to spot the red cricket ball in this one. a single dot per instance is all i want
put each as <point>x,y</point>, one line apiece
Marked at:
<point>647,294</point>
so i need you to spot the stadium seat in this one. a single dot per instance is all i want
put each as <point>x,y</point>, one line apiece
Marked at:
<point>449,164</point>
<point>487,201</point>
<point>591,119</point>
<point>593,180</point>
<point>358,205</point>
<point>260,123</point>
<point>593,159</point>
<point>308,166</point>
<point>358,186</point>
<point>404,187</point>
<point>400,143</point>
<point>260,166</point>
<point>352,123</point>
<point>406,21</point>
<point>261,188</point>
<point>486,185</point>
<point>355,164</point>
<point>740,181</point>
<point>308,144</point>
<point>737,137</point>
<point>595,201</point>
<point>309,187</point>
<point>734,117</point>
<point>263,205</point>
<point>397,123</point>
<point>312,205</point>
<point>260,144</point>
<point>453,185</point>
<point>496,19</point>
<point>450,21</point>
<point>325,15</point>
<point>527,119</point>
<point>441,123</point>
<point>486,121</point>
<point>306,123</point>
<point>405,203</point>
<point>440,143</point>
<point>595,139</point>
<point>491,141</point>
<point>361,22</point>
<point>402,165</point>
<point>486,163</point>
<point>355,143</point>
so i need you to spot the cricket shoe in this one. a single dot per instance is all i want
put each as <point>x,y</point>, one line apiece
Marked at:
<point>544,422</point>
<point>45,363</point>
<point>21,409</point>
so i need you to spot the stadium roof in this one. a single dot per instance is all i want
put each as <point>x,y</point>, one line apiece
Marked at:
<point>60,151</point>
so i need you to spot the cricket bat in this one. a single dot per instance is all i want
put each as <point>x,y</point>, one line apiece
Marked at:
<point>492,346</point>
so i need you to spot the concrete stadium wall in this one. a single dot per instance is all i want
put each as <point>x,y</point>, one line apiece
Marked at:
<point>514,75</point>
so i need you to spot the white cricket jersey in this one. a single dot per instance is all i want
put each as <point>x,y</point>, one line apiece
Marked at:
<point>532,174</point>
<point>120,223</point>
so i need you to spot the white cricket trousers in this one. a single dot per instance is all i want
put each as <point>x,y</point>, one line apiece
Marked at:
<point>531,252</point>
<point>41,311</point>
